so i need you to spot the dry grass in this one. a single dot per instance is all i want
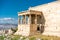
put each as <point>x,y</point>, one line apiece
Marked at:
<point>44,37</point>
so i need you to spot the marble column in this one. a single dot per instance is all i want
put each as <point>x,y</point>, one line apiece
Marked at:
<point>29,19</point>
<point>35,19</point>
<point>18,19</point>
<point>25,19</point>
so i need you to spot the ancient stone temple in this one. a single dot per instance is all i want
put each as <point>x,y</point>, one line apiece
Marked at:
<point>43,19</point>
<point>30,22</point>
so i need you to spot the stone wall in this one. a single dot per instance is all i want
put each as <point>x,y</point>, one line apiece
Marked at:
<point>33,29</point>
<point>51,13</point>
<point>23,30</point>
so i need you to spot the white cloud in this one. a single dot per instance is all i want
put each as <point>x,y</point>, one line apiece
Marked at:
<point>8,20</point>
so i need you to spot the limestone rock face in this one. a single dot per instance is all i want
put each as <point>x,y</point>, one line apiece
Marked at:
<point>51,12</point>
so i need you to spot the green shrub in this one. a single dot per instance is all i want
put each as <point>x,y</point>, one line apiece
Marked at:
<point>14,30</point>
<point>1,38</point>
<point>32,38</point>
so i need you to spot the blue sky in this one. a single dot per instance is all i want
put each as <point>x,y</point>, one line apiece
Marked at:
<point>9,8</point>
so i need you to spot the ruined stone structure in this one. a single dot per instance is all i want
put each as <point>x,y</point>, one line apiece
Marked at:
<point>43,19</point>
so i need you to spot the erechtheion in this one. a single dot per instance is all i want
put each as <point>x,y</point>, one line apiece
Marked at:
<point>42,19</point>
